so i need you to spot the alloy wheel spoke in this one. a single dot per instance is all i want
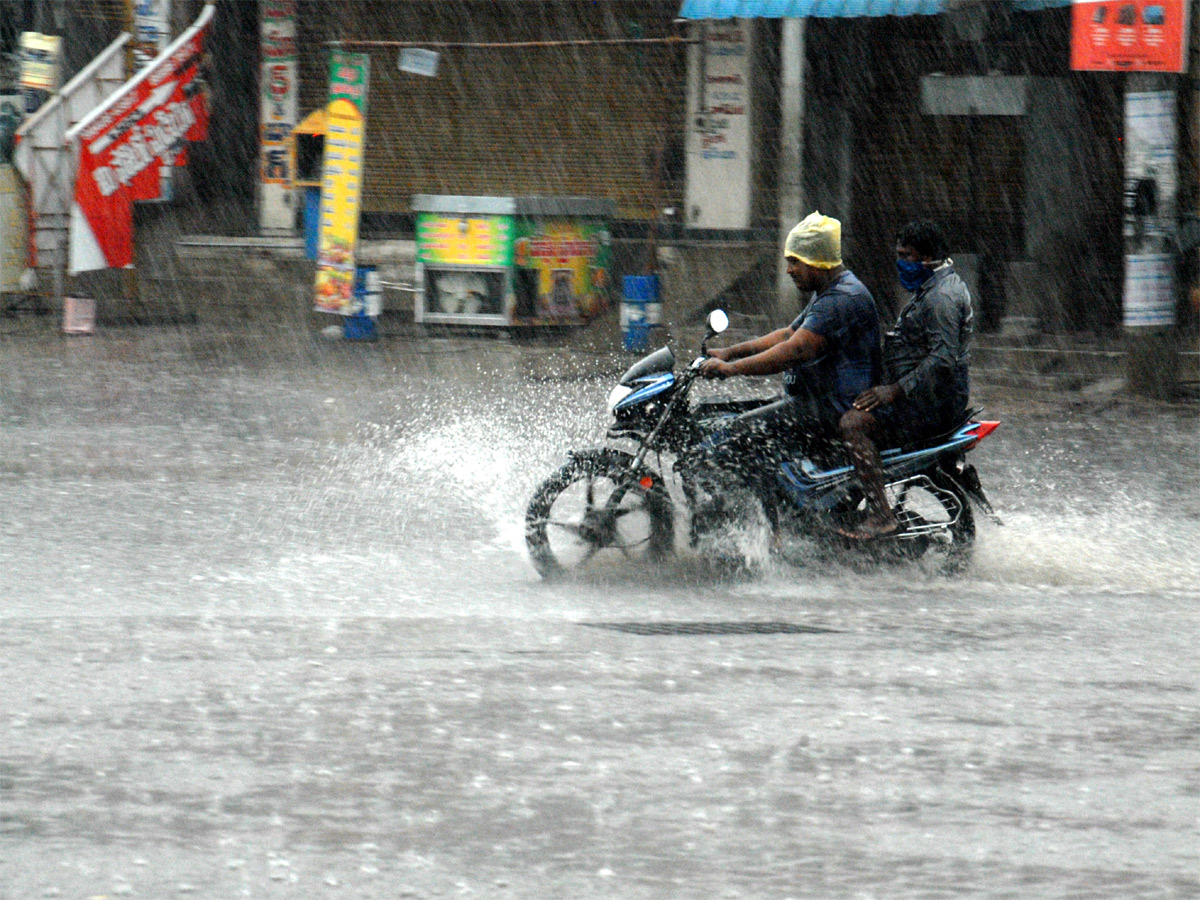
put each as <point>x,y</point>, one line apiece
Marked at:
<point>625,547</point>
<point>573,527</point>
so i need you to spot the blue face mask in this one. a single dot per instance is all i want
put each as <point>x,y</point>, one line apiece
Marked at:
<point>912,274</point>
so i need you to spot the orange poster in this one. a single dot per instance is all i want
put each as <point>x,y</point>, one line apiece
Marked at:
<point>1129,35</point>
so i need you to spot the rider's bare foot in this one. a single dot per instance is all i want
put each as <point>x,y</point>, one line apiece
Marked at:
<point>871,528</point>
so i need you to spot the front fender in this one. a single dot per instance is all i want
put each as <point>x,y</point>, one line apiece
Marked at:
<point>644,477</point>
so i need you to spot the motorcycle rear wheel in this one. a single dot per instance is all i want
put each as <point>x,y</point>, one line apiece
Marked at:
<point>948,503</point>
<point>596,510</point>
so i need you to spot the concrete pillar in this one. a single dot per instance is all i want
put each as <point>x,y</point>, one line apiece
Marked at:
<point>791,151</point>
<point>1150,292</point>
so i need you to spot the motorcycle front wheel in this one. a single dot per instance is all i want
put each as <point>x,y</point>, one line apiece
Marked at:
<point>594,511</point>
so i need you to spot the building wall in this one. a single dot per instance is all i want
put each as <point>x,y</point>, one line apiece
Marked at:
<point>1028,190</point>
<point>598,121</point>
<point>1074,184</point>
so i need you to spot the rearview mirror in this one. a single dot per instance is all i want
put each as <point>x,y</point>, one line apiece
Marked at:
<point>718,321</point>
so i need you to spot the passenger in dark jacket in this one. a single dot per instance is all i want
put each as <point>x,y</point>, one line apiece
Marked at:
<point>925,362</point>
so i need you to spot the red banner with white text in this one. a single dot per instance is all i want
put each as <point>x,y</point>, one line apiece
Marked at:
<point>124,144</point>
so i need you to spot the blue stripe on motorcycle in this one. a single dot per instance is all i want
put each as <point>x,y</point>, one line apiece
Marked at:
<point>810,472</point>
<point>655,385</point>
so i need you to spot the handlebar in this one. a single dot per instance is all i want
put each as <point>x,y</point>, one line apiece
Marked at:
<point>694,368</point>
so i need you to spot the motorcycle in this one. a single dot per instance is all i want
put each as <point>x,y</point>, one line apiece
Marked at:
<point>613,501</point>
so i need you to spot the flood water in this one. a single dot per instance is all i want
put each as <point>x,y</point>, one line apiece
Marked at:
<point>268,627</point>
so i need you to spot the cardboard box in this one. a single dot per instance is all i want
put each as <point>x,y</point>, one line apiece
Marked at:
<point>79,315</point>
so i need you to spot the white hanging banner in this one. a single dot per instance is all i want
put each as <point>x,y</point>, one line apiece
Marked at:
<point>417,61</point>
<point>1151,181</point>
<point>278,113</point>
<point>1149,294</point>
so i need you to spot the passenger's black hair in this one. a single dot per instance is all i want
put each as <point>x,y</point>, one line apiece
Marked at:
<point>925,237</point>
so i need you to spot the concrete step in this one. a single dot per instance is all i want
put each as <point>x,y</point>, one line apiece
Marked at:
<point>1063,358</point>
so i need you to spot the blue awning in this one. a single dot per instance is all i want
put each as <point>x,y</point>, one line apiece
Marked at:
<point>800,9</point>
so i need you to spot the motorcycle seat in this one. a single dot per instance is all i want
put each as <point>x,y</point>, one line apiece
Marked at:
<point>941,437</point>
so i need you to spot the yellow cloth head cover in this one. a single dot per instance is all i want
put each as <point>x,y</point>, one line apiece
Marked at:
<point>816,241</point>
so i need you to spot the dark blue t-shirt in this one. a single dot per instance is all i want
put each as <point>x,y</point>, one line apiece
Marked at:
<point>845,315</point>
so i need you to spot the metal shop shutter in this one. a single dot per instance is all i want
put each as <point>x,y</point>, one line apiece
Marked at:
<point>594,121</point>
<point>965,171</point>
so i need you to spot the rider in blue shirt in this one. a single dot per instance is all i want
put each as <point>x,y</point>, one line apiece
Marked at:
<point>829,355</point>
<point>843,317</point>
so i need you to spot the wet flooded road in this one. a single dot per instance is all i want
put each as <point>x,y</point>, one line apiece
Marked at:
<point>269,630</point>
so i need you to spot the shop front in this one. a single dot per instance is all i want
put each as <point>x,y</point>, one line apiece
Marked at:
<point>511,261</point>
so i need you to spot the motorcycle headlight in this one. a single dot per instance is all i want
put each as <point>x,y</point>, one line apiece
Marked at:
<point>616,395</point>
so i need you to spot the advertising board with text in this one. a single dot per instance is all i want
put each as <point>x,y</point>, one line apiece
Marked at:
<point>571,260</point>
<point>1129,35</point>
<point>1151,183</point>
<point>341,181</point>
<point>718,144</point>
<point>278,112</point>
<point>41,55</point>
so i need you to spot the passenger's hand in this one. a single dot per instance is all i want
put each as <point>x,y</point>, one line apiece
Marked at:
<point>716,368</point>
<point>880,395</point>
<point>721,353</point>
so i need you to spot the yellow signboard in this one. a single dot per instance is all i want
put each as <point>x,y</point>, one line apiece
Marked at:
<point>341,182</point>
<point>447,239</point>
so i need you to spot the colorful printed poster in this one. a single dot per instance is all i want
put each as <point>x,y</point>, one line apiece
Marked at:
<point>151,34</point>
<point>151,30</point>
<point>341,181</point>
<point>123,145</point>
<point>1129,35</point>
<point>571,259</point>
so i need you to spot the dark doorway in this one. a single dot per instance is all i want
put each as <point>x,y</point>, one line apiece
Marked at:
<point>224,166</point>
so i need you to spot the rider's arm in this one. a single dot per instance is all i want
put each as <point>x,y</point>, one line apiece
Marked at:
<point>753,346</point>
<point>799,346</point>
